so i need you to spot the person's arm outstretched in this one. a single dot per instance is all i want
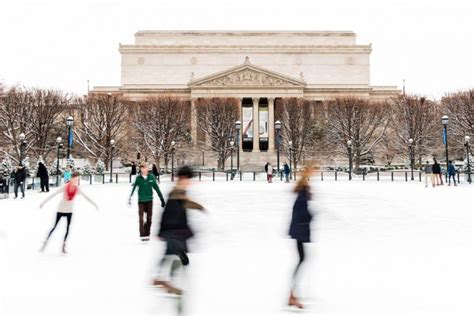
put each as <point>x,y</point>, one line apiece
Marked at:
<point>58,191</point>
<point>133,191</point>
<point>88,199</point>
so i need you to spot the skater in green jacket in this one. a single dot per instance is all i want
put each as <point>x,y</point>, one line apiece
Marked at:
<point>145,182</point>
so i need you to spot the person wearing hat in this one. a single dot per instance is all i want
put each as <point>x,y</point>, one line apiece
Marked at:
<point>146,183</point>
<point>174,229</point>
<point>20,178</point>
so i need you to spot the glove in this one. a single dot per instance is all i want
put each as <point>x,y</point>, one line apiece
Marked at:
<point>163,203</point>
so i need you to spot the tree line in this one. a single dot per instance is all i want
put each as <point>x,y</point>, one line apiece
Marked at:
<point>376,129</point>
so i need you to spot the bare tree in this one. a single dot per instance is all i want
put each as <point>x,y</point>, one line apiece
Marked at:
<point>299,126</point>
<point>34,112</point>
<point>358,120</point>
<point>216,119</point>
<point>414,117</point>
<point>103,117</point>
<point>460,109</point>
<point>161,120</point>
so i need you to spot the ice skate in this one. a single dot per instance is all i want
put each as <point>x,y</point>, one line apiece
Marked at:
<point>63,250</point>
<point>43,247</point>
<point>293,302</point>
<point>167,287</point>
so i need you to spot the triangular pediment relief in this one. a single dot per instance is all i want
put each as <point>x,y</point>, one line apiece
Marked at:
<point>247,75</point>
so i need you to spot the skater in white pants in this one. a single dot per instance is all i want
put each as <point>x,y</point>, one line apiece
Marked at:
<point>429,174</point>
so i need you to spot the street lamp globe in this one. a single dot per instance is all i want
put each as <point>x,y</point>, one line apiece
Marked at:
<point>237,125</point>
<point>445,120</point>
<point>410,141</point>
<point>112,142</point>
<point>59,140</point>
<point>69,121</point>
<point>278,125</point>
<point>349,143</point>
<point>173,143</point>
<point>290,143</point>
<point>467,139</point>
<point>231,143</point>
<point>22,136</point>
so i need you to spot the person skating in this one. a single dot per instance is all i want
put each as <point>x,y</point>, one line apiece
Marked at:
<point>300,228</point>
<point>174,229</point>
<point>429,174</point>
<point>451,173</point>
<point>20,178</point>
<point>42,173</point>
<point>437,172</point>
<point>66,206</point>
<point>146,183</point>
<point>286,171</point>
<point>154,170</point>
<point>269,172</point>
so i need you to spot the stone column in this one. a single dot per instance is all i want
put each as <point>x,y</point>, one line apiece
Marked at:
<point>241,124</point>
<point>193,123</point>
<point>256,126</point>
<point>271,124</point>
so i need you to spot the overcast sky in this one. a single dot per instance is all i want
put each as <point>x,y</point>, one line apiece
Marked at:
<point>62,44</point>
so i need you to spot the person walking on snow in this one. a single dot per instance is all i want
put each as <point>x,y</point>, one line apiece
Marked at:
<point>451,173</point>
<point>437,173</point>
<point>65,209</point>
<point>20,178</point>
<point>286,171</point>
<point>146,183</point>
<point>300,227</point>
<point>42,173</point>
<point>174,229</point>
<point>269,172</point>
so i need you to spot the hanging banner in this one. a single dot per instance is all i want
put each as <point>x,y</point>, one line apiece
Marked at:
<point>247,123</point>
<point>70,139</point>
<point>444,136</point>
<point>263,128</point>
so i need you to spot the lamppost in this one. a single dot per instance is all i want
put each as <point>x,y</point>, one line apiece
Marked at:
<point>466,144</point>
<point>290,149</point>
<point>278,128</point>
<point>412,159</point>
<point>232,160</point>
<point>69,123</point>
<point>445,121</point>
<point>59,145</point>
<point>173,148</point>
<point>349,149</point>
<point>203,157</point>
<point>112,147</point>
<point>22,145</point>
<point>238,124</point>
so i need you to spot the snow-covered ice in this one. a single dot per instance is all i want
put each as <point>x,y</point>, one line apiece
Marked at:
<point>379,248</point>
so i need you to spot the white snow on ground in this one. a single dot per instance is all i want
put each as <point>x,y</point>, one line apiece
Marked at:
<point>379,248</point>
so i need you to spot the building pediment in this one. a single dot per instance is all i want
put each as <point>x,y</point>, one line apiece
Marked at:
<point>245,76</point>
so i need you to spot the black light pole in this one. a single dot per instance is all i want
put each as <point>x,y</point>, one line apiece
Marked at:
<point>445,121</point>
<point>173,143</point>
<point>466,144</point>
<point>412,158</point>
<point>59,145</point>
<point>278,128</point>
<point>22,145</point>
<point>69,123</point>
<point>112,147</point>
<point>290,145</point>
<point>232,160</point>
<point>238,124</point>
<point>203,157</point>
<point>349,149</point>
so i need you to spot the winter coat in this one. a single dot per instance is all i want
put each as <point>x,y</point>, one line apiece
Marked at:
<point>451,170</point>
<point>301,217</point>
<point>133,171</point>
<point>67,176</point>
<point>20,175</point>
<point>428,169</point>
<point>66,205</point>
<point>269,169</point>
<point>42,171</point>
<point>436,168</point>
<point>146,187</point>
<point>286,169</point>
<point>266,167</point>
<point>154,170</point>
<point>174,220</point>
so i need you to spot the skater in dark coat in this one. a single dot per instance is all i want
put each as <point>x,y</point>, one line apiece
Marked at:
<point>300,227</point>
<point>154,170</point>
<point>42,173</point>
<point>133,170</point>
<point>20,178</point>
<point>451,173</point>
<point>286,171</point>
<point>174,228</point>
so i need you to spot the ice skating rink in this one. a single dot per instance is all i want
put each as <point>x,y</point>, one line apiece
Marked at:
<point>379,249</point>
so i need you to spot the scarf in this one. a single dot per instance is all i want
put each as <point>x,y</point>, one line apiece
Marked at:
<point>70,192</point>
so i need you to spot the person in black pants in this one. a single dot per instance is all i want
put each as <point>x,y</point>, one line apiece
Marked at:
<point>20,178</point>
<point>42,173</point>
<point>300,227</point>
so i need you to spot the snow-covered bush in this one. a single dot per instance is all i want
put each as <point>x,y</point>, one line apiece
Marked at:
<point>99,167</point>
<point>6,166</point>
<point>86,168</point>
<point>52,168</point>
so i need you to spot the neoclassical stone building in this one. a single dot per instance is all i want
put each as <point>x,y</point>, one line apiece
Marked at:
<point>256,67</point>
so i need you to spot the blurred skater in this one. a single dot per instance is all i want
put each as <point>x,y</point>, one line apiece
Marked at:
<point>451,173</point>
<point>438,175</point>
<point>286,170</point>
<point>66,206</point>
<point>269,172</point>
<point>146,183</point>
<point>174,229</point>
<point>67,174</point>
<point>300,228</point>
<point>429,174</point>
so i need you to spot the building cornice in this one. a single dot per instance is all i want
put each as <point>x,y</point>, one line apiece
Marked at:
<point>243,33</point>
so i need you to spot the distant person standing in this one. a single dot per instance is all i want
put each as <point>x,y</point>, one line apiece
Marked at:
<point>269,173</point>
<point>146,183</point>
<point>451,173</point>
<point>300,229</point>
<point>20,178</point>
<point>429,174</point>
<point>133,171</point>
<point>67,174</point>
<point>154,170</point>
<point>286,171</point>
<point>437,173</point>
<point>42,173</point>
